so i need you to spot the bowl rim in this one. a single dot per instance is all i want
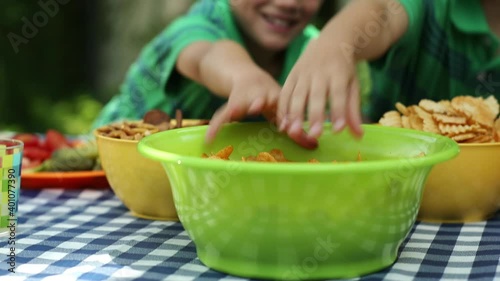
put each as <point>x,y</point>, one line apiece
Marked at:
<point>372,165</point>
<point>479,144</point>
<point>96,134</point>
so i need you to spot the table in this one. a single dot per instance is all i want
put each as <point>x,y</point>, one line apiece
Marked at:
<point>89,235</point>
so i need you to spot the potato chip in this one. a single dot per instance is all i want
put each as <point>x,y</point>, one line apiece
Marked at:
<point>492,103</point>
<point>463,137</point>
<point>480,139</point>
<point>391,119</point>
<point>422,113</point>
<point>416,122</point>
<point>432,106</point>
<point>453,129</point>
<point>405,121</point>
<point>447,119</point>
<point>430,125</point>
<point>449,110</point>
<point>475,109</point>
<point>464,118</point>
<point>402,109</point>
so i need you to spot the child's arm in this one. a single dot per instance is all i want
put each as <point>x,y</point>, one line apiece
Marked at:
<point>326,72</point>
<point>220,66</point>
<point>226,69</point>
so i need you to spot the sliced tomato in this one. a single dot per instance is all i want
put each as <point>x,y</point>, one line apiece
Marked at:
<point>55,140</point>
<point>28,139</point>
<point>36,153</point>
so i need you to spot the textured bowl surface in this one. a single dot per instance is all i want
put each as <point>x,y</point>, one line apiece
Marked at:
<point>465,189</point>
<point>298,220</point>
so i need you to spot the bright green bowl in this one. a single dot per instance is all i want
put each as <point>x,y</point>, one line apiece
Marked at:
<point>298,220</point>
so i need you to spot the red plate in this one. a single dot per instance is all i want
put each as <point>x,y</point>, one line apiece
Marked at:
<point>67,180</point>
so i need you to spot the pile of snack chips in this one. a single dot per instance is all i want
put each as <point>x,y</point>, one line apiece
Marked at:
<point>274,156</point>
<point>153,121</point>
<point>465,119</point>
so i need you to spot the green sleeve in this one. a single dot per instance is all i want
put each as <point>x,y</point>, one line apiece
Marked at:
<point>148,77</point>
<point>408,43</point>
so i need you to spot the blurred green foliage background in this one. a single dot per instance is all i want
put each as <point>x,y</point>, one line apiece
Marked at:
<point>61,60</point>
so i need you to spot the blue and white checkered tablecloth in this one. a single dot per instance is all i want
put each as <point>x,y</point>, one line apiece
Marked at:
<point>89,235</point>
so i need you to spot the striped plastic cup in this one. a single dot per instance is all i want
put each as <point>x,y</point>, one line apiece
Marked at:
<point>11,154</point>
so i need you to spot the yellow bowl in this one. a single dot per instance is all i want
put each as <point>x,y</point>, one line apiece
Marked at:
<point>464,189</point>
<point>140,183</point>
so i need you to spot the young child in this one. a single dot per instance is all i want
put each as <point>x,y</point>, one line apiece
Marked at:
<point>243,49</point>
<point>416,48</point>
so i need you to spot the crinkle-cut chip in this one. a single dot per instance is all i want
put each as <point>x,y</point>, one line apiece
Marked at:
<point>391,119</point>
<point>475,109</point>
<point>265,157</point>
<point>430,125</point>
<point>480,139</point>
<point>484,131</point>
<point>454,129</point>
<point>422,113</point>
<point>432,106</point>
<point>416,122</point>
<point>405,122</point>
<point>402,109</point>
<point>449,110</point>
<point>463,137</point>
<point>493,105</point>
<point>443,118</point>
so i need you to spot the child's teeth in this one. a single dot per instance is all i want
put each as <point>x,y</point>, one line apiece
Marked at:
<point>280,22</point>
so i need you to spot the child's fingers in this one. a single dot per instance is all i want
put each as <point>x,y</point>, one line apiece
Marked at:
<point>304,140</point>
<point>316,107</point>
<point>297,106</point>
<point>257,106</point>
<point>338,101</point>
<point>220,117</point>
<point>284,101</point>
<point>353,109</point>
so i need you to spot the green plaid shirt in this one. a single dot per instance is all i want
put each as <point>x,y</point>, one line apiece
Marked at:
<point>448,50</point>
<point>153,82</point>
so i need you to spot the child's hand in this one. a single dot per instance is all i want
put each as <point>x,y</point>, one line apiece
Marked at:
<point>253,92</point>
<point>323,74</point>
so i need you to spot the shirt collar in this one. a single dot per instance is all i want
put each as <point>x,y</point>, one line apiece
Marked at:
<point>468,16</point>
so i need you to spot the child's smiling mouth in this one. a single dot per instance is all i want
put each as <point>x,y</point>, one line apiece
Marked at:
<point>280,23</point>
